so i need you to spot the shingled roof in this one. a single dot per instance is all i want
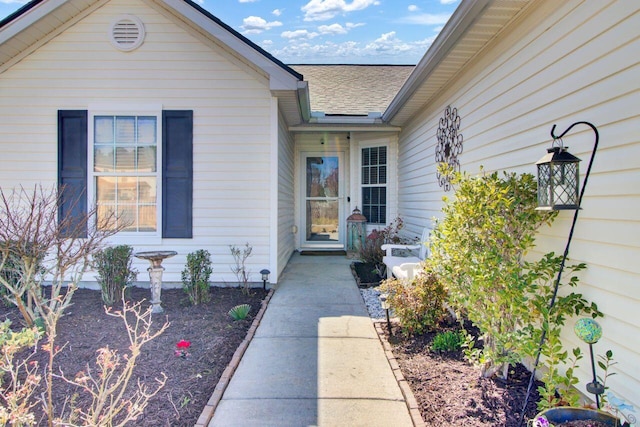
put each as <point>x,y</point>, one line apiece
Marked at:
<point>353,89</point>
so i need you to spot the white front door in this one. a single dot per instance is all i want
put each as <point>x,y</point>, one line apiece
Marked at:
<point>323,202</point>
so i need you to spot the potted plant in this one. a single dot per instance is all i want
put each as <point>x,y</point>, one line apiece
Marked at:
<point>565,415</point>
<point>589,331</point>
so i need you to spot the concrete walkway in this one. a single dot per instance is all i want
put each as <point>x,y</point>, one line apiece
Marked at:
<point>315,359</point>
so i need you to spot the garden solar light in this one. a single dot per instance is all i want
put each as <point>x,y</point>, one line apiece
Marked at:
<point>265,276</point>
<point>589,331</point>
<point>385,306</point>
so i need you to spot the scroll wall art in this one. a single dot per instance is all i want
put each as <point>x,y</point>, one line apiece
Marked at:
<point>449,145</point>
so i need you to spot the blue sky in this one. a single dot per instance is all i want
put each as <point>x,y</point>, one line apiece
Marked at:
<point>330,31</point>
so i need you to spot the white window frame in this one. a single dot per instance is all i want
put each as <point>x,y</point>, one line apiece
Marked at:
<point>127,237</point>
<point>362,146</point>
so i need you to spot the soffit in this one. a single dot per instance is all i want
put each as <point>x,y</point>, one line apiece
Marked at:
<point>45,19</point>
<point>445,60</point>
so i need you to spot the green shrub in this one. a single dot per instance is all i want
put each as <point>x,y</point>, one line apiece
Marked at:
<point>17,257</point>
<point>113,265</point>
<point>448,341</point>
<point>418,304</point>
<point>478,251</point>
<point>195,276</point>
<point>240,312</point>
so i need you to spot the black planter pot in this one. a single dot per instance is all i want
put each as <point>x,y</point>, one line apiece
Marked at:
<point>564,414</point>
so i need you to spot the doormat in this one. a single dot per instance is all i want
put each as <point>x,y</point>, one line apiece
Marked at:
<point>323,253</point>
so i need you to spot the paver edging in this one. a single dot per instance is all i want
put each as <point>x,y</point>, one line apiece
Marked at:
<point>225,378</point>
<point>409,398</point>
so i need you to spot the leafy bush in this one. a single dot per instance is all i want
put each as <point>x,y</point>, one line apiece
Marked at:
<point>478,250</point>
<point>419,303</point>
<point>195,276</point>
<point>15,258</point>
<point>448,341</point>
<point>113,265</point>
<point>240,312</point>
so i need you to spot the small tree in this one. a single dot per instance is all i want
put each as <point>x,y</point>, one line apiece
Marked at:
<point>195,276</point>
<point>115,271</point>
<point>478,249</point>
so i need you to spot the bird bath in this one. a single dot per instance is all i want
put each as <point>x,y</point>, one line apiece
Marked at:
<point>155,274</point>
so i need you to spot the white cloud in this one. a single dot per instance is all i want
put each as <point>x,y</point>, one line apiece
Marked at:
<point>256,25</point>
<point>14,1</point>
<point>413,8</point>
<point>322,10</point>
<point>277,12</point>
<point>266,43</point>
<point>447,1</point>
<point>351,25</point>
<point>387,49</point>
<point>298,34</point>
<point>332,29</point>
<point>247,1</point>
<point>427,19</point>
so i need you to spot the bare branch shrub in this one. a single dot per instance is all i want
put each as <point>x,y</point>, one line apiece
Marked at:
<point>108,384</point>
<point>240,269</point>
<point>19,378</point>
<point>46,247</point>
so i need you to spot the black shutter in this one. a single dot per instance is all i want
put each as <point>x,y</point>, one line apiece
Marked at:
<point>177,174</point>
<point>72,166</point>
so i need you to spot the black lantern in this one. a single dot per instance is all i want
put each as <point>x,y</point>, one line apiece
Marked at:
<point>558,180</point>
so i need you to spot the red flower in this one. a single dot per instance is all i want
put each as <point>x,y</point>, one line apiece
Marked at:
<point>183,345</point>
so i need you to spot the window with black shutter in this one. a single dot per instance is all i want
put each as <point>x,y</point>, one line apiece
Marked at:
<point>124,174</point>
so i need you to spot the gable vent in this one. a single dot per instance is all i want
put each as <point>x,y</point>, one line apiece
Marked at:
<point>127,33</point>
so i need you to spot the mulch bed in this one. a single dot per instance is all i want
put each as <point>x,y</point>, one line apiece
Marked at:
<point>451,392</point>
<point>365,275</point>
<point>214,337</point>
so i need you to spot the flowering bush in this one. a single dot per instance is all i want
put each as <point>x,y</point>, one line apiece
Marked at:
<point>372,253</point>
<point>182,349</point>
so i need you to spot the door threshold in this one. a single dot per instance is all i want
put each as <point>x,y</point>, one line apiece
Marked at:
<point>321,252</point>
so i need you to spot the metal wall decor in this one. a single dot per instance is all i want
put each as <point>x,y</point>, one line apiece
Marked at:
<point>449,145</point>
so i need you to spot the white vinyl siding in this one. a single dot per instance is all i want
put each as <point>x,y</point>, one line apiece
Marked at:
<point>565,62</point>
<point>178,71</point>
<point>286,192</point>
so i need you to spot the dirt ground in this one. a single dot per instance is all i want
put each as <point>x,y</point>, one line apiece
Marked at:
<point>214,337</point>
<point>451,392</point>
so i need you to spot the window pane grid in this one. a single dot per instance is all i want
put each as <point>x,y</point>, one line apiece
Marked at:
<point>374,180</point>
<point>125,166</point>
